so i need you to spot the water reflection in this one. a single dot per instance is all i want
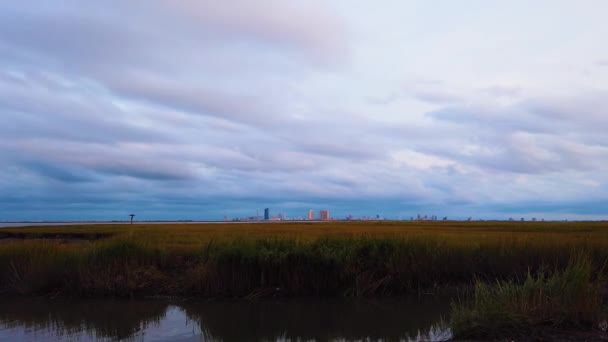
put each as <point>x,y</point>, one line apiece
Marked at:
<point>79,319</point>
<point>228,320</point>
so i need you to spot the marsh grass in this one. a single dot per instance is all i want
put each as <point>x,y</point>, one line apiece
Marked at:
<point>255,260</point>
<point>571,298</point>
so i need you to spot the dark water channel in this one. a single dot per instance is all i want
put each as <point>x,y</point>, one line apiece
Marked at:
<point>304,319</point>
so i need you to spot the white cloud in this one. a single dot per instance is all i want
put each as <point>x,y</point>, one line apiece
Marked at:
<point>399,104</point>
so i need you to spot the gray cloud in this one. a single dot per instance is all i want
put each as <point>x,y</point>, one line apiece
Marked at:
<point>436,97</point>
<point>532,136</point>
<point>63,173</point>
<point>503,91</point>
<point>276,22</point>
<point>49,156</point>
<point>215,108</point>
<point>45,108</point>
<point>199,100</point>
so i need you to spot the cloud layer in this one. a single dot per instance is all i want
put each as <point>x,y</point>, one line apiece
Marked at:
<point>201,109</point>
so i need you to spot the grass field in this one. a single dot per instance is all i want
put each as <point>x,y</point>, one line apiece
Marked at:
<point>527,265</point>
<point>365,257</point>
<point>185,235</point>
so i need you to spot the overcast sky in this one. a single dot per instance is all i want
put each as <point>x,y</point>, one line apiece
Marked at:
<point>200,109</point>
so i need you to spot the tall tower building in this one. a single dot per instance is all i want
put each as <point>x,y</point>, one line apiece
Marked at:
<point>324,214</point>
<point>311,215</point>
<point>267,214</point>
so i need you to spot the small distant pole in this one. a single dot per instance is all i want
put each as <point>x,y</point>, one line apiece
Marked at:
<point>132,215</point>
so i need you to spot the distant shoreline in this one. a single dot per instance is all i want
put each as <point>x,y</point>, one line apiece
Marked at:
<point>16,224</point>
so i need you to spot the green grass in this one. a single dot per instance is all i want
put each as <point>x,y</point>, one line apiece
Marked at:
<point>570,299</point>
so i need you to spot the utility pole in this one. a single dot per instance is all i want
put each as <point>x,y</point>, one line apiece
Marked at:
<point>132,215</point>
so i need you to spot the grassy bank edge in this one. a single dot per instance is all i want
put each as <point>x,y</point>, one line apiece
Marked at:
<point>546,303</point>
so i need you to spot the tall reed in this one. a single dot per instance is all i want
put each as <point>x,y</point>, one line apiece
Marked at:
<point>572,298</point>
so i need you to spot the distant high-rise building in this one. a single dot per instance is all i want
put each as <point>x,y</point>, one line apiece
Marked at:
<point>267,214</point>
<point>311,215</point>
<point>323,214</point>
